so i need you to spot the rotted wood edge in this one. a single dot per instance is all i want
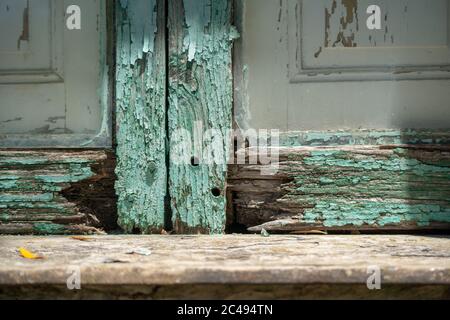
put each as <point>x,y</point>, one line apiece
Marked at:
<point>348,187</point>
<point>46,192</point>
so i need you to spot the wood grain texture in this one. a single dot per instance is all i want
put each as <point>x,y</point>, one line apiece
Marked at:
<point>200,99</point>
<point>237,259</point>
<point>141,115</point>
<point>346,187</point>
<point>35,191</point>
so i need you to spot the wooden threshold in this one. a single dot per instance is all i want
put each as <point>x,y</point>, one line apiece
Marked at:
<point>124,264</point>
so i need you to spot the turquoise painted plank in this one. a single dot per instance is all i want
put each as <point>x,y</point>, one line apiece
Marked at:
<point>141,115</point>
<point>200,112</point>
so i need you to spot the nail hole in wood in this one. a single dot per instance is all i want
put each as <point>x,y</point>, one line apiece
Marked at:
<point>216,192</point>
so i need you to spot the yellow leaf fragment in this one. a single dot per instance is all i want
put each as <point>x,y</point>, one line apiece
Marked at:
<point>28,254</point>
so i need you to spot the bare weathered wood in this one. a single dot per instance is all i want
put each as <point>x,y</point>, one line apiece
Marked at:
<point>346,187</point>
<point>98,195</point>
<point>199,112</point>
<point>231,260</point>
<point>37,191</point>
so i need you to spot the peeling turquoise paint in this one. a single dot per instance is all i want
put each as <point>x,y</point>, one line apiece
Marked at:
<point>8,184</point>
<point>31,185</point>
<point>141,116</point>
<point>48,228</point>
<point>364,137</point>
<point>395,163</point>
<point>198,17</point>
<point>368,186</point>
<point>30,161</point>
<point>79,175</point>
<point>14,197</point>
<point>338,213</point>
<point>200,91</point>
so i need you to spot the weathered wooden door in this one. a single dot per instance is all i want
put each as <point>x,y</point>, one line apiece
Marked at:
<point>173,80</point>
<point>360,92</point>
<point>357,89</point>
<point>53,75</point>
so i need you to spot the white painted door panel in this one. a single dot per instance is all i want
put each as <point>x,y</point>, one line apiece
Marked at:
<point>314,65</point>
<point>26,41</point>
<point>52,80</point>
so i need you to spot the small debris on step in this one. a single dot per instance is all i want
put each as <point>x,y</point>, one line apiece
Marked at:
<point>264,233</point>
<point>113,260</point>
<point>141,252</point>
<point>29,255</point>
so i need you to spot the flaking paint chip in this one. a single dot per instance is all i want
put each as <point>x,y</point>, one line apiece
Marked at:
<point>264,233</point>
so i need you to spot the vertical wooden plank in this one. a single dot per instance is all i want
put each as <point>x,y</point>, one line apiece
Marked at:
<point>141,114</point>
<point>200,112</point>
